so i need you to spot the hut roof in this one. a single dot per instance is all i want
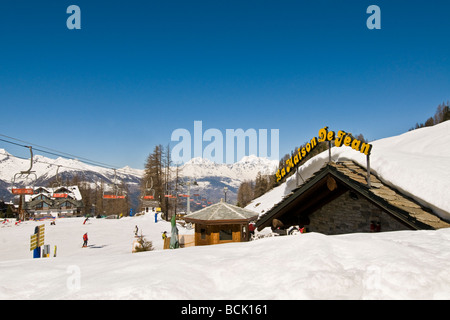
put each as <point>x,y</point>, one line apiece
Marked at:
<point>352,176</point>
<point>221,212</point>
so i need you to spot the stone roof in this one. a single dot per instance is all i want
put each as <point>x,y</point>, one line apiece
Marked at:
<point>382,195</point>
<point>221,212</point>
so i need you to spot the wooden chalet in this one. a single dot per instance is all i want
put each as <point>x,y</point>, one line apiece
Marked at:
<point>54,202</point>
<point>337,199</point>
<point>221,223</point>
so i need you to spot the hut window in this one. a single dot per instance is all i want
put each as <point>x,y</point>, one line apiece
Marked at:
<point>226,234</point>
<point>203,234</point>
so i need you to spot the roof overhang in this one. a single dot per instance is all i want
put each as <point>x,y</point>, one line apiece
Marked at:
<point>220,222</point>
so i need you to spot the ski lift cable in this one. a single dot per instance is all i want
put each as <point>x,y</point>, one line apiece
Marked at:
<point>57,152</point>
<point>38,161</point>
<point>61,154</point>
<point>44,162</point>
<point>27,191</point>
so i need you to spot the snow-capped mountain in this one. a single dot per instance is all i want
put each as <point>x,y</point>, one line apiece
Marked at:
<point>211,177</point>
<point>245,169</point>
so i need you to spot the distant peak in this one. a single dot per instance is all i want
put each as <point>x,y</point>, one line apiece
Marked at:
<point>199,160</point>
<point>250,158</point>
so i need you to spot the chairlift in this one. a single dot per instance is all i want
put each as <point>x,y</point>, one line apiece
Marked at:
<point>24,175</point>
<point>148,190</point>
<point>115,194</point>
<point>56,186</point>
<point>58,181</point>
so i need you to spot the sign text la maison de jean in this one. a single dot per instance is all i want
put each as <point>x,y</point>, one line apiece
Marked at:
<point>342,138</point>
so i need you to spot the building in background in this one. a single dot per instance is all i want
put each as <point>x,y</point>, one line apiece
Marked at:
<point>54,202</point>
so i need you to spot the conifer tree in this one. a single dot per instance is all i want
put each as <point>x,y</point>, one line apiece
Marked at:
<point>245,194</point>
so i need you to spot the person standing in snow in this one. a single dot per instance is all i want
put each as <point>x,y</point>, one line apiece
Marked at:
<point>136,230</point>
<point>174,244</point>
<point>85,239</point>
<point>251,228</point>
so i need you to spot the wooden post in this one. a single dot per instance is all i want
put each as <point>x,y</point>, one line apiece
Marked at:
<point>368,171</point>
<point>329,151</point>
<point>21,211</point>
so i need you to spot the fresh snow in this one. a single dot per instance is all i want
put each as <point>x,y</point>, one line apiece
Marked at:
<point>389,265</point>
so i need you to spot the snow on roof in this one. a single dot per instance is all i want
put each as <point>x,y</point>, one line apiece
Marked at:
<point>74,191</point>
<point>221,211</point>
<point>415,163</point>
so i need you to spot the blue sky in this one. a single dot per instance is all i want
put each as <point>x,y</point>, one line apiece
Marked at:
<point>138,70</point>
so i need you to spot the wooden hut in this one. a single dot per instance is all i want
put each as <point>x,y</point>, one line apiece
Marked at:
<point>221,223</point>
<point>337,199</point>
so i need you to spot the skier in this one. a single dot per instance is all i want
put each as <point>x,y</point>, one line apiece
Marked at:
<point>136,230</point>
<point>85,238</point>
<point>164,235</point>
<point>156,217</point>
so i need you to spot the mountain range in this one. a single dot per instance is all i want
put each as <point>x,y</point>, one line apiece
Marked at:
<point>211,178</point>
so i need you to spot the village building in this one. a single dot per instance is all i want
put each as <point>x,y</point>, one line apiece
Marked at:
<point>221,223</point>
<point>7,210</point>
<point>151,206</point>
<point>54,202</point>
<point>343,198</point>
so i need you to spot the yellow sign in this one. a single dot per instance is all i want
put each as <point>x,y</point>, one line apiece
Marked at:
<point>341,139</point>
<point>293,161</point>
<point>41,235</point>
<point>33,242</point>
<point>38,239</point>
<point>345,139</point>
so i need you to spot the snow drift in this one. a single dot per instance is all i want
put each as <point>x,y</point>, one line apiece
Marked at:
<point>390,265</point>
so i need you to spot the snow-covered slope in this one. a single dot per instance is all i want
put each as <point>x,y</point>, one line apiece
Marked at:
<point>416,162</point>
<point>389,265</point>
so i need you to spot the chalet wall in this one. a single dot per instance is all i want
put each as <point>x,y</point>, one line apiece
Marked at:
<point>210,234</point>
<point>347,215</point>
